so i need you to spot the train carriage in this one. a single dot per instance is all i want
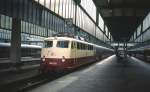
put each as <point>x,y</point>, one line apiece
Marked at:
<point>65,53</point>
<point>141,53</point>
<point>26,49</point>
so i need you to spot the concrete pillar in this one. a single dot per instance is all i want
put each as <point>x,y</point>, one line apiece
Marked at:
<point>97,20</point>
<point>15,49</point>
<point>75,19</point>
<point>97,17</point>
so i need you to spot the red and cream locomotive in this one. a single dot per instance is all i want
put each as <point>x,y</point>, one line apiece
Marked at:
<point>66,53</point>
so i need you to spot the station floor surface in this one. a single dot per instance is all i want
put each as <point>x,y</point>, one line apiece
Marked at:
<point>108,75</point>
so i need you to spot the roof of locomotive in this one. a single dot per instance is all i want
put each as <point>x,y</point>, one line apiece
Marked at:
<point>66,39</point>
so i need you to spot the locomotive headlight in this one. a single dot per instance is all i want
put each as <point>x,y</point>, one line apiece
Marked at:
<point>63,59</point>
<point>43,59</point>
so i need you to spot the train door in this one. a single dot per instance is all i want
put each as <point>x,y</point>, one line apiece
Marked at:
<point>76,49</point>
<point>74,52</point>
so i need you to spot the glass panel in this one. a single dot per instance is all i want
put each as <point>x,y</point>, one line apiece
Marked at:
<point>73,45</point>
<point>47,4</point>
<point>41,2</point>
<point>61,7</point>
<point>62,44</point>
<point>139,30</point>
<point>48,44</point>
<point>101,22</point>
<point>56,6</point>
<point>78,45</point>
<point>89,6</point>
<point>67,7</point>
<point>64,8</point>
<point>146,22</point>
<point>53,3</point>
<point>2,21</point>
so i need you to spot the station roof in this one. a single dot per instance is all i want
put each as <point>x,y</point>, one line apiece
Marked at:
<point>122,16</point>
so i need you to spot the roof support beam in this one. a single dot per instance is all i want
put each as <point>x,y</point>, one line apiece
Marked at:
<point>113,6</point>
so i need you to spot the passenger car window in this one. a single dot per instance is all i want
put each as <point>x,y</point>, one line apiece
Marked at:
<point>79,45</point>
<point>48,44</point>
<point>63,44</point>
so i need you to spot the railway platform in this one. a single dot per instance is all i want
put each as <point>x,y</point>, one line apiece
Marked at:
<point>108,75</point>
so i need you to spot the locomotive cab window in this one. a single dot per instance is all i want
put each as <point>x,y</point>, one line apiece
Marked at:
<point>63,44</point>
<point>48,44</point>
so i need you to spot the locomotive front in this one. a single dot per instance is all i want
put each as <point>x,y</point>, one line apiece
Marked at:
<point>54,54</point>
